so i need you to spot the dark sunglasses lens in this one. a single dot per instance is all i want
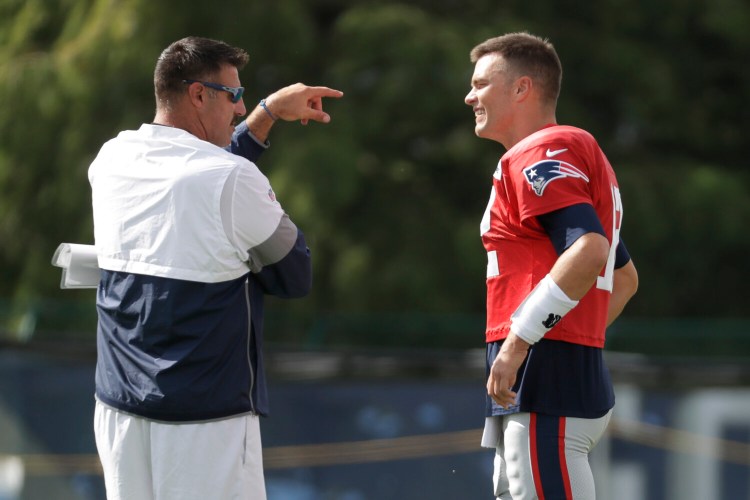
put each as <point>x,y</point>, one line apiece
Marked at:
<point>236,96</point>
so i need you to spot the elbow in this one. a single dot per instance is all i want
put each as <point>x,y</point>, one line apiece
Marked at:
<point>296,282</point>
<point>632,278</point>
<point>626,281</point>
<point>301,288</point>
<point>299,282</point>
<point>596,248</point>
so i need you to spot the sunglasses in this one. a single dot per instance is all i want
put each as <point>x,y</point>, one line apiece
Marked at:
<point>235,91</point>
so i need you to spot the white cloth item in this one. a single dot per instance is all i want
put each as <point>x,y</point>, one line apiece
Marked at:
<point>147,183</point>
<point>542,309</point>
<point>80,267</point>
<point>147,460</point>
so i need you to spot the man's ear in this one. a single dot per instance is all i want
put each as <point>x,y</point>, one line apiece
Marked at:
<point>196,94</point>
<point>522,88</point>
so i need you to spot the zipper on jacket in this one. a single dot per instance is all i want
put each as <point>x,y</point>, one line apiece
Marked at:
<point>249,340</point>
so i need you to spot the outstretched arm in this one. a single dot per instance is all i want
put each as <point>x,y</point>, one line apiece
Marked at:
<point>295,102</point>
<point>281,263</point>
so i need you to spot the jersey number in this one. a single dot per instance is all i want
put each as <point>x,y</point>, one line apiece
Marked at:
<point>604,282</point>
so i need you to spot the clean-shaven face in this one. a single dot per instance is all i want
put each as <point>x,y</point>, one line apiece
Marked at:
<point>490,97</point>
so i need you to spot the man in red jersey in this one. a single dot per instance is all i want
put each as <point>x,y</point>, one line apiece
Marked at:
<point>558,274</point>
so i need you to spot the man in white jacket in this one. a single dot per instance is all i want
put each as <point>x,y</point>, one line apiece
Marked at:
<point>189,237</point>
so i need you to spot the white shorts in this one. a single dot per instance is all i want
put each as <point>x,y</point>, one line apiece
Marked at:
<point>541,456</point>
<point>147,460</point>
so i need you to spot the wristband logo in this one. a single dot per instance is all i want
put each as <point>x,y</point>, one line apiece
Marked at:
<point>551,320</point>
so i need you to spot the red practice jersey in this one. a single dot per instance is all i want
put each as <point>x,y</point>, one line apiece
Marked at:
<point>553,168</point>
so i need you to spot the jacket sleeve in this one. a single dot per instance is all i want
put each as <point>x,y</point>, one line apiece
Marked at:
<point>290,277</point>
<point>245,145</point>
<point>273,247</point>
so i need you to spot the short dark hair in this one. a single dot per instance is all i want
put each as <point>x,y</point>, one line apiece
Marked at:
<point>192,58</point>
<point>527,55</point>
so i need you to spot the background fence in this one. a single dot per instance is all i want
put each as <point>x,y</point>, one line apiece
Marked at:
<point>362,424</point>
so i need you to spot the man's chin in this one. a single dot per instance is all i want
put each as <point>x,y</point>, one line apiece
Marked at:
<point>229,139</point>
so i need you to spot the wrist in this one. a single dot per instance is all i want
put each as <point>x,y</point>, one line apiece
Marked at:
<point>513,344</point>
<point>264,104</point>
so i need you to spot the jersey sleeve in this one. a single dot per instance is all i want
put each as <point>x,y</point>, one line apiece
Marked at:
<point>546,180</point>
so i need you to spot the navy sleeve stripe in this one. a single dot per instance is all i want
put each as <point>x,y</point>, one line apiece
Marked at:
<point>566,225</point>
<point>622,256</point>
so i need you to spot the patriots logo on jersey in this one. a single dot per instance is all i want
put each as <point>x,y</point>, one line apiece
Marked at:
<point>542,173</point>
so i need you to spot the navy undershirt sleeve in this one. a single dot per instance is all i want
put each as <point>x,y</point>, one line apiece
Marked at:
<point>622,256</point>
<point>566,225</point>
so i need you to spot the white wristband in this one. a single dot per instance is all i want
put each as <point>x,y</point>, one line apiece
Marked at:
<point>543,308</point>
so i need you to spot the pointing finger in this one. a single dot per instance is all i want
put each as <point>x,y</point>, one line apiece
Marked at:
<point>325,92</point>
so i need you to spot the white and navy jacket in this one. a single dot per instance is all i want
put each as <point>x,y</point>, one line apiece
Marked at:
<point>189,238</point>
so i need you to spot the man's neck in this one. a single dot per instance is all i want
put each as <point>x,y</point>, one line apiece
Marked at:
<point>170,119</point>
<point>527,124</point>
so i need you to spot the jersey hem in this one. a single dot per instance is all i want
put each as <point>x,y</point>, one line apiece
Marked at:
<point>501,333</point>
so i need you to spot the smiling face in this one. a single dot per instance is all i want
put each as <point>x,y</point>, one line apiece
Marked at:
<point>219,114</point>
<point>491,98</point>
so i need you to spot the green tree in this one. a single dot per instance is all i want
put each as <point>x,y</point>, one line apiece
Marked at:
<point>390,194</point>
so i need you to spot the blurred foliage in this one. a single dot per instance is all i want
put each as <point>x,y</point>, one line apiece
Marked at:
<point>390,194</point>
